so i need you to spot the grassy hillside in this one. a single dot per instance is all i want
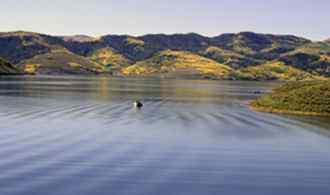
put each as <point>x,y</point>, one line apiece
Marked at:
<point>61,62</point>
<point>273,71</point>
<point>259,46</point>
<point>7,68</point>
<point>109,58</point>
<point>250,46</point>
<point>18,46</point>
<point>238,51</point>
<point>130,47</point>
<point>178,63</point>
<point>313,57</point>
<point>230,58</point>
<point>309,97</point>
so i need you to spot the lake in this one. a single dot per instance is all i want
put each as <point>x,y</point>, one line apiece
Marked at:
<point>79,135</point>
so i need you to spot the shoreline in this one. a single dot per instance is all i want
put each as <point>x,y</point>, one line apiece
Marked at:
<point>309,98</point>
<point>136,77</point>
<point>279,111</point>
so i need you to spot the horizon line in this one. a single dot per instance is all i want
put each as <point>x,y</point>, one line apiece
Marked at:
<point>146,34</point>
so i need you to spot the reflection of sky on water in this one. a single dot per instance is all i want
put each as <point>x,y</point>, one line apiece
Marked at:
<point>82,136</point>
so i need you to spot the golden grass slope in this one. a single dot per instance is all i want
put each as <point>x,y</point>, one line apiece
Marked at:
<point>274,70</point>
<point>61,62</point>
<point>176,63</point>
<point>134,41</point>
<point>109,58</point>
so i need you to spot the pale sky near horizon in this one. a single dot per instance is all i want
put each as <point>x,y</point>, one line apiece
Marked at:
<point>308,18</point>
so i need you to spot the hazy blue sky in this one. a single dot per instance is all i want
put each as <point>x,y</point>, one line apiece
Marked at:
<point>309,18</point>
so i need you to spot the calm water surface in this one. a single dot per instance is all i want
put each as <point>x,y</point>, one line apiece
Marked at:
<point>74,135</point>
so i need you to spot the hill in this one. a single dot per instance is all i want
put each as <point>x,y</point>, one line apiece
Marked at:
<point>274,70</point>
<point>230,58</point>
<point>109,58</point>
<point>307,98</point>
<point>178,64</point>
<point>312,57</point>
<point>61,62</point>
<point>7,68</point>
<point>259,46</point>
<point>20,45</point>
<point>241,51</point>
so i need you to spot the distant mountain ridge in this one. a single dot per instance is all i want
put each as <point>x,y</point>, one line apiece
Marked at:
<point>113,52</point>
<point>78,38</point>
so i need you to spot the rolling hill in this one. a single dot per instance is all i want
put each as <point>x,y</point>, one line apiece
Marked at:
<point>20,45</point>
<point>61,62</point>
<point>230,58</point>
<point>312,57</point>
<point>274,70</point>
<point>115,53</point>
<point>259,46</point>
<point>178,64</point>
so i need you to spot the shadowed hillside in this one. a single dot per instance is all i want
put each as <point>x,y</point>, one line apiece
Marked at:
<point>312,57</point>
<point>18,46</point>
<point>7,68</point>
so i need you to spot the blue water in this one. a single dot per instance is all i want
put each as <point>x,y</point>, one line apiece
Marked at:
<point>76,135</point>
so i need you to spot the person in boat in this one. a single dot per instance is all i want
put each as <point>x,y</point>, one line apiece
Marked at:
<point>138,104</point>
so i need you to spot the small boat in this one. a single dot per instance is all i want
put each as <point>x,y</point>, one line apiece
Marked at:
<point>138,104</point>
<point>258,92</point>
